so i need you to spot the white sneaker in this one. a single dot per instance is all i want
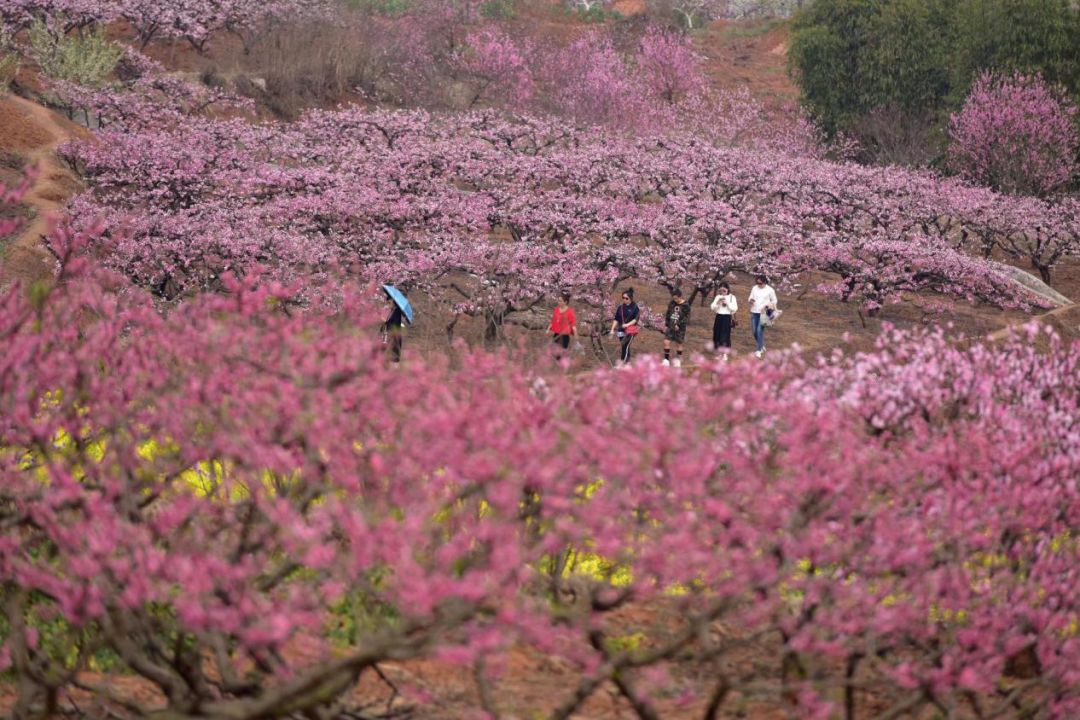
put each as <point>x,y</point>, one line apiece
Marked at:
<point>677,362</point>
<point>758,353</point>
<point>666,363</point>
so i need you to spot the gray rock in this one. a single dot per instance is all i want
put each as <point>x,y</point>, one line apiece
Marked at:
<point>1033,284</point>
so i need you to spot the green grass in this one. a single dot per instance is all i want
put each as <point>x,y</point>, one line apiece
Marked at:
<point>381,7</point>
<point>754,28</point>
<point>595,15</point>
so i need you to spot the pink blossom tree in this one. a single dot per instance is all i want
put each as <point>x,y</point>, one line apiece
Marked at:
<point>669,67</point>
<point>1016,134</point>
<point>194,21</point>
<point>498,66</point>
<point>60,15</point>
<point>185,205</point>
<point>145,98</point>
<point>171,509</point>
<point>590,82</point>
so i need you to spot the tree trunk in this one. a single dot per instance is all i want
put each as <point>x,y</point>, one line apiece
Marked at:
<point>492,328</point>
<point>1044,271</point>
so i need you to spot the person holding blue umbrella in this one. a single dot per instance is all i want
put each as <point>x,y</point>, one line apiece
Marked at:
<point>401,312</point>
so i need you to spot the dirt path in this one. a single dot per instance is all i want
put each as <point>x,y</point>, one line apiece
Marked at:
<point>1064,320</point>
<point>34,132</point>
<point>751,55</point>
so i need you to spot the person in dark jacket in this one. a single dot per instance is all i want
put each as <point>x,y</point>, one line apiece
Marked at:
<point>394,331</point>
<point>625,324</point>
<point>676,320</point>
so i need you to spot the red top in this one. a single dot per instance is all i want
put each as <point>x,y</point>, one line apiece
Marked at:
<point>562,323</point>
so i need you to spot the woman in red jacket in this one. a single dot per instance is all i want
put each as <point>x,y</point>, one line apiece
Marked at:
<point>563,322</point>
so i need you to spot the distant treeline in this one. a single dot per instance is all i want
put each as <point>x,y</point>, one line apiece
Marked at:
<point>888,71</point>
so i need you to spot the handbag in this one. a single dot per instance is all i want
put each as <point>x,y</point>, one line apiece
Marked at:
<point>769,317</point>
<point>734,321</point>
<point>630,330</point>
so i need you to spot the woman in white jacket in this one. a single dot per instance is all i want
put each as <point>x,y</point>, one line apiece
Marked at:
<point>762,300</point>
<point>725,306</point>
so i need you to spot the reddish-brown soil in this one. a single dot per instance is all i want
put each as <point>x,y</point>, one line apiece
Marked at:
<point>628,7</point>
<point>812,322</point>
<point>30,136</point>
<point>527,685</point>
<point>751,55</point>
<point>21,134</point>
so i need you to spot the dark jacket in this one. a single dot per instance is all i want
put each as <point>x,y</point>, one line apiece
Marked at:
<point>677,317</point>
<point>396,321</point>
<point>625,314</point>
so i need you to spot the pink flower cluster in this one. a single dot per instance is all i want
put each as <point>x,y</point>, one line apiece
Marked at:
<point>1016,134</point>
<point>499,65</point>
<point>146,99</point>
<point>489,214</point>
<point>194,21</point>
<point>202,494</point>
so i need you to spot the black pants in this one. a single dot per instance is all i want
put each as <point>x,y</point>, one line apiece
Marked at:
<point>395,339</point>
<point>563,340</point>
<point>624,347</point>
<point>721,332</point>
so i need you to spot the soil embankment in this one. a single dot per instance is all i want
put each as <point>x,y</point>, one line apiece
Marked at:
<point>29,136</point>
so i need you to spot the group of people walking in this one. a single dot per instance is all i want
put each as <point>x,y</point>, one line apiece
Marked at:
<point>626,322</point>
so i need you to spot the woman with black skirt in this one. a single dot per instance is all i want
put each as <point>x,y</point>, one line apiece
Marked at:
<point>725,306</point>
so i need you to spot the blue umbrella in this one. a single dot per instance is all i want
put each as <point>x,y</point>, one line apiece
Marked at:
<point>400,300</point>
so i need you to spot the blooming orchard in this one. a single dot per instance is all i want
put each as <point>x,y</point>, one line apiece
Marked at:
<point>240,505</point>
<point>489,213</point>
<point>426,200</point>
<point>194,21</point>
<point>172,508</point>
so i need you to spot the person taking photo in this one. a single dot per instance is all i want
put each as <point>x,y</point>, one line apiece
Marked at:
<point>725,306</point>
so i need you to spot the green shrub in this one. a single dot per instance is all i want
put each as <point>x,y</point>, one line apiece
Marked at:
<point>357,615</point>
<point>381,7</point>
<point>9,66</point>
<point>68,646</point>
<point>1027,35</point>
<point>594,13</point>
<point>498,9</point>
<point>9,62</point>
<point>854,57</point>
<point>87,58</point>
